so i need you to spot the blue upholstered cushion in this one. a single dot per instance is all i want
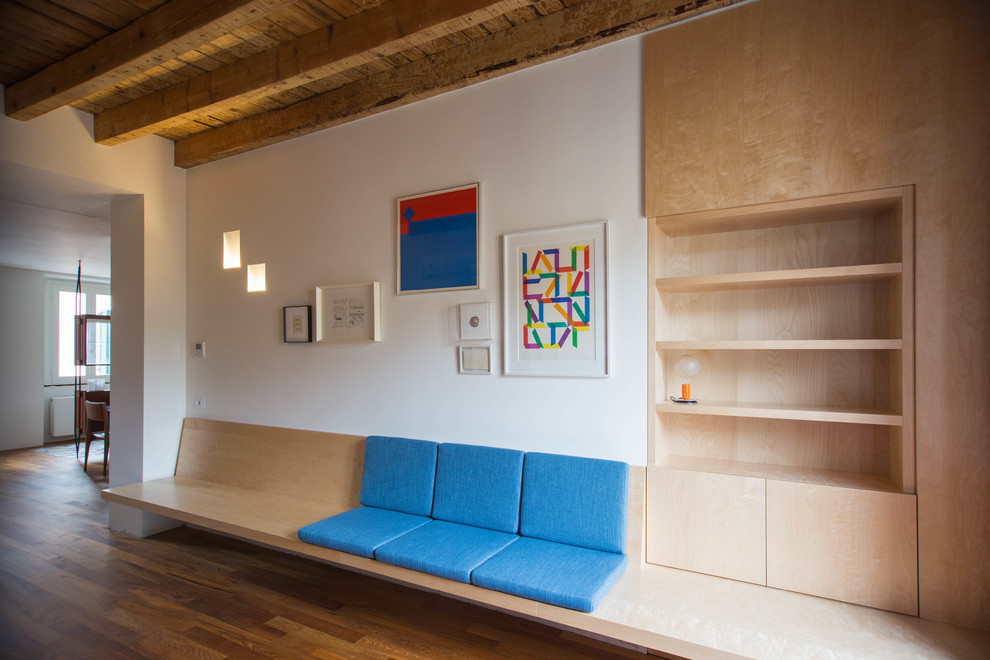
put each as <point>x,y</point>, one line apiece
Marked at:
<point>399,474</point>
<point>446,549</point>
<point>574,500</point>
<point>361,530</point>
<point>478,486</point>
<point>554,573</point>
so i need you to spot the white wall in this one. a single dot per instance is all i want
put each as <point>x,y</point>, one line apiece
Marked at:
<point>22,353</point>
<point>554,145</point>
<point>148,221</point>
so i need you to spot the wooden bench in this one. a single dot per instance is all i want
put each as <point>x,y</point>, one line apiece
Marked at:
<point>262,484</point>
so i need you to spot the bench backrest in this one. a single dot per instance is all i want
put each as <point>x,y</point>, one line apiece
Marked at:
<point>575,500</point>
<point>307,465</point>
<point>479,486</point>
<point>399,474</point>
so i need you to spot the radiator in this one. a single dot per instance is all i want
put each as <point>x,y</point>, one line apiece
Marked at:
<point>62,416</point>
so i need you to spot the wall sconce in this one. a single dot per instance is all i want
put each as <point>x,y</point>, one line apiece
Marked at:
<point>232,249</point>
<point>256,277</point>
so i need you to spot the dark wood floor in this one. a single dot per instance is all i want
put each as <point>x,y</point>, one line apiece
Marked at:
<point>71,588</point>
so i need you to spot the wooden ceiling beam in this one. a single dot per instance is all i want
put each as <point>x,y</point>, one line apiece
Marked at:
<point>170,30</point>
<point>577,28</point>
<point>377,32</point>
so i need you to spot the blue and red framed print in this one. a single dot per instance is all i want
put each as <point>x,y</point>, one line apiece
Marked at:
<point>438,241</point>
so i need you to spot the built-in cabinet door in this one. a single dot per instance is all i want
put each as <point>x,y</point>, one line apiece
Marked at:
<point>853,545</point>
<point>706,522</point>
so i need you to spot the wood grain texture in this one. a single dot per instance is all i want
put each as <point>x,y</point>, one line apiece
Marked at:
<point>173,28</point>
<point>852,545</point>
<point>361,39</point>
<point>573,29</point>
<point>309,465</point>
<point>72,588</point>
<point>792,98</point>
<point>710,523</point>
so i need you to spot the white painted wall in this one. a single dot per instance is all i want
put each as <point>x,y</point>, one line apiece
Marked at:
<point>554,145</point>
<point>148,244</point>
<point>22,353</point>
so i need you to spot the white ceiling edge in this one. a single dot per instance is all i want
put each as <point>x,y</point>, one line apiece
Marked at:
<point>50,222</point>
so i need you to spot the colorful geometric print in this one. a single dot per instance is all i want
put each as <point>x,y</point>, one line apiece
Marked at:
<point>438,240</point>
<point>557,296</point>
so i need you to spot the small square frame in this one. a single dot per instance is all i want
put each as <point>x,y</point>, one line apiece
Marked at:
<point>297,324</point>
<point>474,360</point>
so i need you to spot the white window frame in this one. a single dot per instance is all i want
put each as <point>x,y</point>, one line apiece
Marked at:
<point>53,285</point>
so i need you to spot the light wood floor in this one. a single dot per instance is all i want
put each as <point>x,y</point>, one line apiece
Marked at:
<point>71,588</point>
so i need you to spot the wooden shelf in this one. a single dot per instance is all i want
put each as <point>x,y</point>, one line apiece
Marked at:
<point>782,345</point>
<point>877,482</point>
<point>845,415</point>
<point>780,278</point>
<point>784,213</point>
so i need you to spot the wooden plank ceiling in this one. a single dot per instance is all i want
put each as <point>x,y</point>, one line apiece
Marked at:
<point>223,77</point>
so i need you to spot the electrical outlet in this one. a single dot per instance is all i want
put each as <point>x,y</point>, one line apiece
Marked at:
<point>199,402</point>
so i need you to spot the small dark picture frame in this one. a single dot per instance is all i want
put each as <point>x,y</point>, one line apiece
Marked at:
<point>297,323</point>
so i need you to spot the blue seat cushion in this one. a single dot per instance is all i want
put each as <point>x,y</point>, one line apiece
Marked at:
<point>563,575</point>
<point>360,531</point>
<point>399,474</point>
<point>574,500</point>
<point>478,486</point>
<point>446,549</point>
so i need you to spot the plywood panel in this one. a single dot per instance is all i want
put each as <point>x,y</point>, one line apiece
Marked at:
<point>309,465</point>
<point>838,378</point>
<point>845,447</point>
<point>793,98</point>
<point>710,523</point>
<point>852,545</point>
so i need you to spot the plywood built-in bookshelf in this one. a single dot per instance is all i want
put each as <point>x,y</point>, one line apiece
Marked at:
<point>801,315</point>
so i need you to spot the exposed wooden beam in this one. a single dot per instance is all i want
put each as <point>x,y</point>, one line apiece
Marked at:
<point>170,30</point>
<point>571,30</point>
<point>367,36</point>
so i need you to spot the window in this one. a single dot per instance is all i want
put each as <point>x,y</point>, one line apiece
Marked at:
<point>60,318</point>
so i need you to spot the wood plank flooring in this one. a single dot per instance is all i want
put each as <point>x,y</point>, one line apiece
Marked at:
<point>71,588</point>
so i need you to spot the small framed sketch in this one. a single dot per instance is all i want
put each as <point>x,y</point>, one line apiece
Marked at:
<point>297,324</point>
<point>556,290</point>
<point>437,248</point>
<point>474,359</point>
<point>348,312</point>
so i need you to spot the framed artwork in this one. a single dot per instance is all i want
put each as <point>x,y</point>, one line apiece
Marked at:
<point>437,245</point>
<point>348,312</point>
<point>297,323</point>
<point>474,359</point>
<point>556,301</point>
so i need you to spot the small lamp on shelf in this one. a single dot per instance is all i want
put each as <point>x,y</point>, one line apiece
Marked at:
<point>686,366</point>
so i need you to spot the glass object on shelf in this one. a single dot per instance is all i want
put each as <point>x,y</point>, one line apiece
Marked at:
<point>687,366</point>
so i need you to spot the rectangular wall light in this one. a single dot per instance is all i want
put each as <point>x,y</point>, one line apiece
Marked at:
<point>256,277</point>
<point>232,249</point>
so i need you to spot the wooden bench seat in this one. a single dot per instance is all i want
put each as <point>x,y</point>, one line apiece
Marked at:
<point>262,484</point>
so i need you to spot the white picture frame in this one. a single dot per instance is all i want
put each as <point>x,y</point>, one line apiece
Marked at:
<point>556,306</point>
<point>474,360</point>
<point>348,312</point>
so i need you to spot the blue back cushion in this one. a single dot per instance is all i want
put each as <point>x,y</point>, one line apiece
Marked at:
<point>574,500</point>
<point>479,486</point>
<point>399,474</point>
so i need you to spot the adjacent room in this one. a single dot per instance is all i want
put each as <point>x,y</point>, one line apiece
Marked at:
<point>498,329</point>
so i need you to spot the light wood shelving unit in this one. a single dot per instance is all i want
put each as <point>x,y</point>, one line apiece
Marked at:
<point>801,313</point>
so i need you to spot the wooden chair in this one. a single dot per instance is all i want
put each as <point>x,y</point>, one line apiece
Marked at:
<point>97,427</point>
